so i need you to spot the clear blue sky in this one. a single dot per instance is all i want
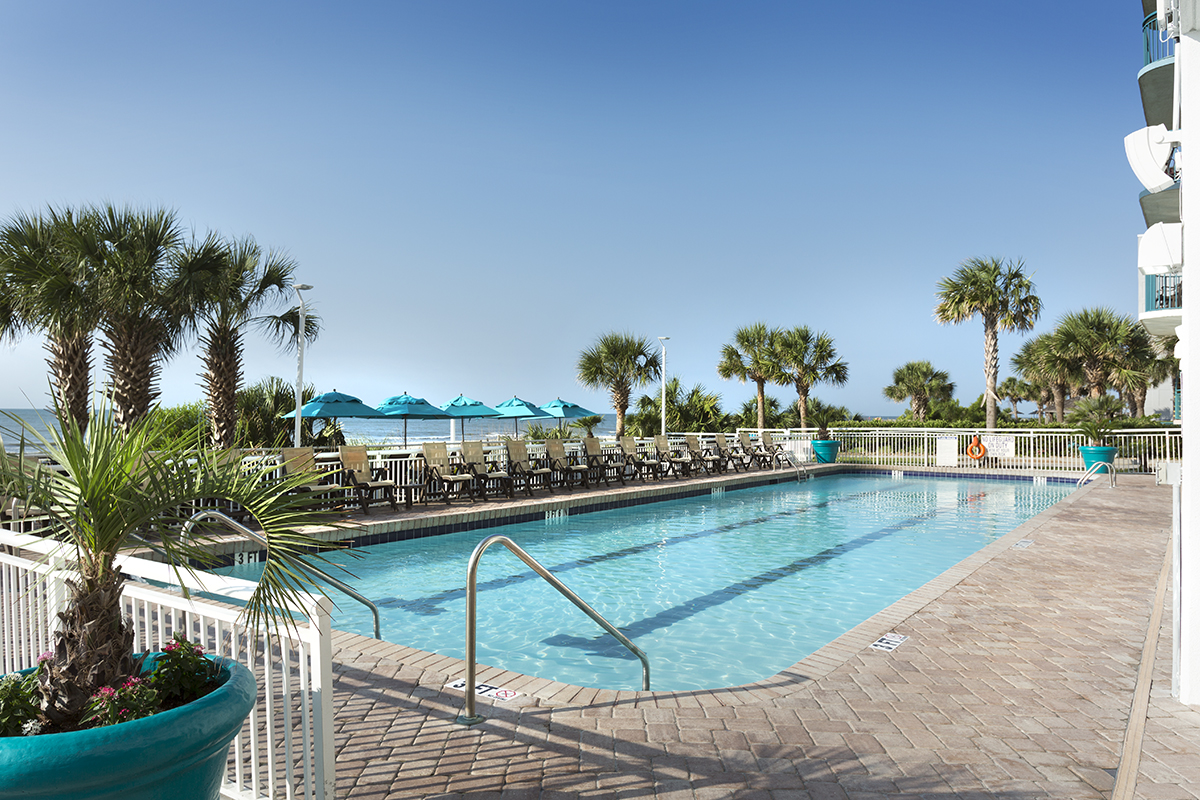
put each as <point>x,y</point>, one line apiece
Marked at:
<point>477,190</point>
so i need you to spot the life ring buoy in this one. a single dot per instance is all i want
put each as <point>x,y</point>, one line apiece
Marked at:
<point>976,450</point>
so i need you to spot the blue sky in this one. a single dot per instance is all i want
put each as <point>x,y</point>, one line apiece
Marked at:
<point>478,190</point>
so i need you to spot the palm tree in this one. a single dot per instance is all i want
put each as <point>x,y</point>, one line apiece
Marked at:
<point>148,285</point>
<point>751,357</point>
<point>1098,340</point>
<point>921,384</point>
<point>1040,363</point>
<point>619,362</point>
<point>261,407</point>
<point>46,289</point>
<point>116,486</point>
<point>245,281</point>
<point>1003,296</point>
<point>807,359</point>
<point>1146,362</point>
<point>1014,390</point>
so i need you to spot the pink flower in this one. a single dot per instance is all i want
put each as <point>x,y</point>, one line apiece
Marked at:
<point>46,656</point>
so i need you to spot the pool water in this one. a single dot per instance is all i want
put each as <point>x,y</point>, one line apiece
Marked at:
<point>718,591</point>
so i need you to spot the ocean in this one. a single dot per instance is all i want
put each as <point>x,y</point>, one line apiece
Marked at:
<point>388,431</point>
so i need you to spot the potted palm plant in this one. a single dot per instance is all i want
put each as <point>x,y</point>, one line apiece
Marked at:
<point>824,447</point>
<point>108,492</point>
<point>1094,417</point>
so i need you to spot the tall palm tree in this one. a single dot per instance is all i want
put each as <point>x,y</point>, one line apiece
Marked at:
<point>1003,297</point>
<point>751,357</point>
<point>920,384</point>
<point>245,281</point>
<point>619,362</point>
<point>1098,340</point>
<point>148,284</point>
<point>1040,363</point>
<point>1148,361</point>
<point>46,289</point>
<point>807,359</point>
<point>696,409</point>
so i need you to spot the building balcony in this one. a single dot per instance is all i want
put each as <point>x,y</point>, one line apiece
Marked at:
<point>1156,80</point>
<point>1160,206</point>
<point>1161,303</point>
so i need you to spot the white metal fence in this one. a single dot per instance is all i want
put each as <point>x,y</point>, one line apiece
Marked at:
<point>285,748</point>
<point>1138,450</point>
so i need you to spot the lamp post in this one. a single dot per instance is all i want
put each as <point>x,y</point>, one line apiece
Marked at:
<point>299,287</point>
<point>663,341</point>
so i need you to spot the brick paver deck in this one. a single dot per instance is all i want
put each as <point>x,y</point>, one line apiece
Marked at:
<point>1016,682</point>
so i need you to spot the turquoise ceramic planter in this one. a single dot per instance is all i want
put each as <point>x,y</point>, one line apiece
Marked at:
<point>826,450</point>
<point>178,754</point>
<point>1097,455</point>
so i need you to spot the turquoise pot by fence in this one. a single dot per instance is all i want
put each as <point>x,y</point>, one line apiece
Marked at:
<point>826,450</point>
<point>178,754</point>
<point>1097,455</point>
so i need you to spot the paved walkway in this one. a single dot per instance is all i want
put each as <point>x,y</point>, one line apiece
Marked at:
<point>1016,682</point>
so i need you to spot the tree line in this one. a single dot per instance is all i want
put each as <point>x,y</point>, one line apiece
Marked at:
<point>134,278</point>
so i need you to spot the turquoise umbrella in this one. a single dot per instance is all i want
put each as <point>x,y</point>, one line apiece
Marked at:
<point>408,407</point>
<point>519,409</point>
<point>565,410</point>
<point>464,408</point>
<point>335,404</point>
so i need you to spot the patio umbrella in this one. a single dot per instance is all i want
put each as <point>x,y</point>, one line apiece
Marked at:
<point>519,409</point>
<point>464,408</point>
<point>566,410</point>
<point>409,407</point>
<point>335,404</point>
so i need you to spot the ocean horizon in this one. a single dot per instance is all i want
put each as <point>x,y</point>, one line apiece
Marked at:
<point>371,430</point>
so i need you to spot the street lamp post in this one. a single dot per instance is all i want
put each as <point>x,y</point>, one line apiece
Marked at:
<point>663,341</point>
<point>299,287</point>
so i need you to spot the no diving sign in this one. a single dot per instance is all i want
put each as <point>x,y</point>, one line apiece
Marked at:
<point>485,690</point>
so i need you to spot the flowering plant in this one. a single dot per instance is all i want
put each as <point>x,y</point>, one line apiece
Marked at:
<point>134,700</point>
<point>182,673</point>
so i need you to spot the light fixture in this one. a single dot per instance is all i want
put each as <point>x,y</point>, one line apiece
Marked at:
<point>663,341</point>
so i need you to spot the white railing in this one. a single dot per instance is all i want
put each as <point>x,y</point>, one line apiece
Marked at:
<point>285,748</point>
<point>1138,450</point>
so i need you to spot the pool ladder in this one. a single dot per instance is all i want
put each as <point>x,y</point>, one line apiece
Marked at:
<point>1094,470</point>
<point>217,516</point>
<point>797,464</point>
<point>469,717</point>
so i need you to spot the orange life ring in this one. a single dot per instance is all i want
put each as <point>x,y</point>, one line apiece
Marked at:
<point>976,450</point>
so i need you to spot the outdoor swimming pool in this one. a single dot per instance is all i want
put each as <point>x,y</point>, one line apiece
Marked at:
<point>718,591</point>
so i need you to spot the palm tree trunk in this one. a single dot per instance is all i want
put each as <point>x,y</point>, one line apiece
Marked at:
<point>1060,401</point>
<point>132,362</point>
<point>620,398</point>
<point>762,404</point>
<point>991,368</point>
<point>222,374</point>
<point>802,404</point>
<point>920,406</point>
<point>71,373</point>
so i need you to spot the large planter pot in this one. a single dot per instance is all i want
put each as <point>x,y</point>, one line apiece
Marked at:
<point>1097,455</point>
<point>178,754</point>
<point>826,450</point>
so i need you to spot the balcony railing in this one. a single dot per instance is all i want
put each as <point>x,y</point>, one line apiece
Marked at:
<point>1164,292</point>
<point>1153,46</point>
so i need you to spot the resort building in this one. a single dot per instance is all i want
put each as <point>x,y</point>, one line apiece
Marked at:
<point>1169,81</point>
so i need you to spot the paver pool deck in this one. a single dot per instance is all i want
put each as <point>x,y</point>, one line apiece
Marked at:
<point>1017,681</point>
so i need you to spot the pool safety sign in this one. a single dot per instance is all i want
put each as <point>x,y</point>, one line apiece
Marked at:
<point>889,642</point>
<point>999,445</point>
<point>485,690</point>
<point>946,453</point>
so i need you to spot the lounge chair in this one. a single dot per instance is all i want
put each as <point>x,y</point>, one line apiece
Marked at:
<point>566,468</point>
<point>758,456</point>
<point>641,464</point>
<point>485,471</point>
<point>443,478</point>
<point>733,455</point>
<point>367,484</point>
<point>524,470</point>
<point>672,459</point>
<point>712,461</point>
<point>773,449</point>
<point>603,466</point>
<point>303,461</point>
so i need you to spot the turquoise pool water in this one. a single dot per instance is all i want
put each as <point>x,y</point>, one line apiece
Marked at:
<point>718,591</point>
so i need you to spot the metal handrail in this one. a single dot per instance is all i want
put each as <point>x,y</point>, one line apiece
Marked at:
<point>258,537</point>
<point>801,470</point>
<point>469,717</point>
<point>1094,469</point>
